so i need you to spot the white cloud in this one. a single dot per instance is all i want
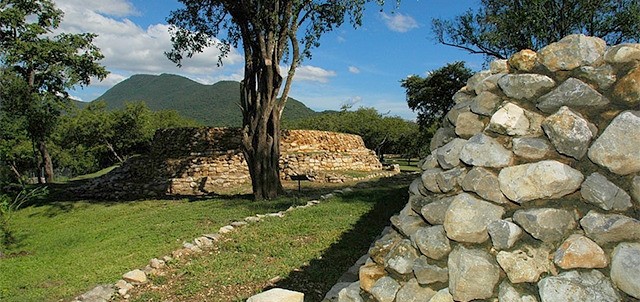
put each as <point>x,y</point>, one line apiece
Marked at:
<point>398,22</point>
<point>131,49</point>
<point>354,70</point>
<point>313,74</point>
<point>110,80</point>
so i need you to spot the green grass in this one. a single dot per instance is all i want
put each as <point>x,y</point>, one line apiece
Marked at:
<point>66,248</point>
<point>308,249</point>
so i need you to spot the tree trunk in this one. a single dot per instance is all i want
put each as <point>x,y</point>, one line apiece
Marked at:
<point>46,161</point>
<point>113,151</point>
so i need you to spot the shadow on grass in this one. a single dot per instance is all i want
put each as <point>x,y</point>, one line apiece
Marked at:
<point>317,278</point>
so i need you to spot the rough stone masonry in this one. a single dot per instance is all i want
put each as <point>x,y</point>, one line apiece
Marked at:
<point>531,191</point>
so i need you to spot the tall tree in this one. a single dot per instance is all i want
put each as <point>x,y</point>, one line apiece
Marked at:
<point>39,68</point>
<point>432,97</point>
<point>269,30</point>
<point>500,28</point>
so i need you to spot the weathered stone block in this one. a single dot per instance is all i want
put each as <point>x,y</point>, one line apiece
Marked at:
<point>449,154</point>
<point>413,292</point>
<point>435,212</point>
<point>429,273</point>
<point>531,147</point>
<point>432,241</point>
<point>544,179</point>
<point>617,147</point>
<point>572,52</point>
<point>278,294</point>
<point>525,86</point>
<point>512,120</point>
<point>400,258</point>
<point>569,132</point>
<point>485,103</point>
<point>573,93</point>
<point>606,228</point>
<point>546,224</point>
<point>526,264</point>
<point>524,60</point>
<point>625,268</point>
<point>577,286</point>
<point>467,218</point>
<point>580,252</point>
<point>473,274</point>
<point>598,190</point>
<point>484,151</point>
<point>468,124</point>
<point>385,289</point>
<point>504,234</point>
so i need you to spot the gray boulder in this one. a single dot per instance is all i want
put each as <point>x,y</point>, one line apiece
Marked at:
<point>429,273</point>
<point>531,147</point>
<point>571,52</point>
<point>429,180</point>
<point>598,190</point>
<point>569,132</point>
<point>484,151</point>
<point>504,234</point>
<point>544,179</point>
<point>623,53</point>
<point>546,224</point>
<point>525,86</point>
<point>573,93</point>
<point>485,103</point>
<point>617,147</point>
<point>580,252</point>
<point>635,188</point>
<point>432,242</point>
<point>512,120</point>
<point>467,218</point>
<point>442,136</point>
<point>602,76</point>
<point>606,228</point>
<point>435,212</point>
<point>468,124</point>
<point>473,274</point>
<point>449,154</point>
<point>400,259</point>
<point>385,289</point>
<point>413,292</point>
<point>577,286</point>
<point>449,181</point>
<point>351,293</point>
<point>625,268</point>
<point>507,293</point>
<point>484,183</point>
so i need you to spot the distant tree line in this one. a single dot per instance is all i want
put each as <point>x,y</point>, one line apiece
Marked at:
<point>84,140</point>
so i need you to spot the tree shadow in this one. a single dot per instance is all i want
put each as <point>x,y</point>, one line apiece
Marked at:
<point>317,278</point>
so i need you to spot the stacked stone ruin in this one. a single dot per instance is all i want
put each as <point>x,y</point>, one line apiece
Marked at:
<point>201,161</point>
<point>531,191</point>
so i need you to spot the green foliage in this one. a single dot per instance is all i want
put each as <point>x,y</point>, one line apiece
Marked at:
<point>211,105</point>
<point>384,134</point>
<point>432,97</point>
<point>38,68</point>
<point>502,27</point>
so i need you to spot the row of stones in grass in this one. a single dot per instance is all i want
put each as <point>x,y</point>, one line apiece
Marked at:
<point>156,266</point>
<point>531,190</point>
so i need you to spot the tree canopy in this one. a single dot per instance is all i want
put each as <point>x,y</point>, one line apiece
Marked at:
<point>500,28</point>
<point>431,97</point>
<point>269,32</point>
<point>38,68</point>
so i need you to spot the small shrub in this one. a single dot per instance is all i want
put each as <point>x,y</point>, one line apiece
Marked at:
<point>8,205</point>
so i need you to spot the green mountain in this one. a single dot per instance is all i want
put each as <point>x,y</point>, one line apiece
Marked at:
<point>211,105</point>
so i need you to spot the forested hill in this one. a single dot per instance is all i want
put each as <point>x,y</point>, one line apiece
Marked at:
<point>211,105</point>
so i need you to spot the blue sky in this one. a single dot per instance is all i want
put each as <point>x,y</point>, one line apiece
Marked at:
<point>362,66</point>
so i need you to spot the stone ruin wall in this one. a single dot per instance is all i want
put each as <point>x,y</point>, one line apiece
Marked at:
<point>531,191</point>
<point>197,161</point>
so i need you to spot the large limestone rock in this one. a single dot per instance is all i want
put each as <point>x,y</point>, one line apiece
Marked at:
<point>435,212</point>
<point>504,234</point>
<point>467,218</point>
<point>617,147</point>
<point>413,292</point>
<point>473,274</point>
<point>430,181</point>
<point>572,52</point>
<point>485,103</point>
<point>571,92</point>
<point>526,86</point>
<point>351,293</point>
<point>507,293</point>
<point>577,286</point>
<point>524,60</point>
<point>580,252</point>
<point>484,151</point>
<point>627,89</point>
<point>531,147</point>
<point>569,132</point>
<point>468,124</point>
<point>598,190</point>
<point>602,77</point>
<point>546,224</point>
<point>400,259</point>
<point>544,179</point>
<point>449,154</point>
<point>525,265</point>
<point>606,228</point>
<point>484,183</point>
<point>385,289</point>
<point>512,120</point>
<point>429,273</point>
<point>369,273</point>
<point>278,294</point>
<point>432,241</point>
<point>625,268</point>
<point>623,53</point>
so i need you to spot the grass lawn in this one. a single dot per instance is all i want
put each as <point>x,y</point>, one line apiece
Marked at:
<point>66,248</point>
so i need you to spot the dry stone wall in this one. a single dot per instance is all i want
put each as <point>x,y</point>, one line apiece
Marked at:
<point>531,191</point>
<point>197,161</point>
